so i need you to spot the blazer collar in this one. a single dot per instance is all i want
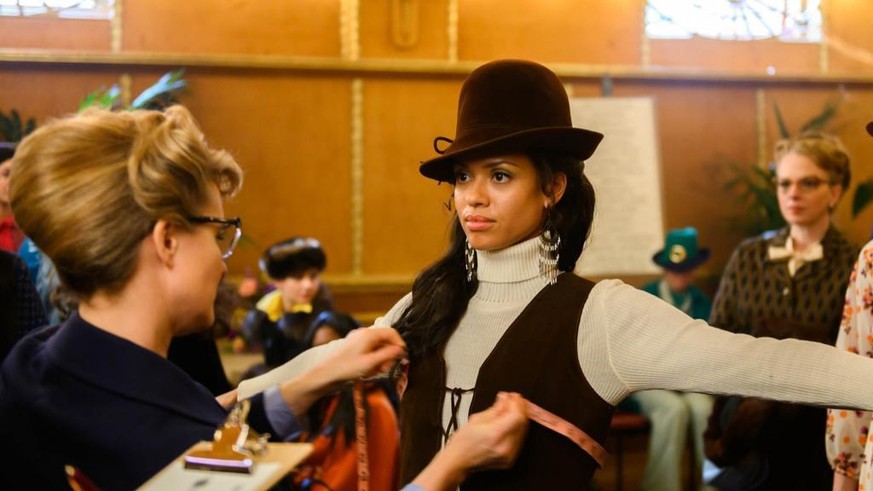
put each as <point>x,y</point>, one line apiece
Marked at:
<point>117,365</point>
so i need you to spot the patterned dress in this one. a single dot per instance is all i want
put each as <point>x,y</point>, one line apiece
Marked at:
<point>849,447</point>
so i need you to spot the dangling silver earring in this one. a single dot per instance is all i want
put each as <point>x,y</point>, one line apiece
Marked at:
<point>550,242</point>
<point>469,260</point>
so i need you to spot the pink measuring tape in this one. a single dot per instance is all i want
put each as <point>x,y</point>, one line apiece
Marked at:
<point>539,415</point>
<point>563,427</point>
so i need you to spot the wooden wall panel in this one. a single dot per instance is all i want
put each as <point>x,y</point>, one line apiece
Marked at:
<point>551,31</point>
<point>43,33</point>
<point>291,127</point>
<point>301,27</point>
<point>702,130</point>
<point>376,29</point>
<point>44,92</point>
<point>739,56</point>
<point>290,135</point>
<point>850,36</point>
<point>405,222</point>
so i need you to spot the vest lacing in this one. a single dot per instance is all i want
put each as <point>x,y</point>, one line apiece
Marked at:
<point>456,394</point>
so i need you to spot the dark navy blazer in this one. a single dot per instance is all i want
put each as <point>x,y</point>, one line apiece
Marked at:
<point>75,394</point>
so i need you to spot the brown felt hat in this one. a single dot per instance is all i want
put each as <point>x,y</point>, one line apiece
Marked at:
<point>510,106</point>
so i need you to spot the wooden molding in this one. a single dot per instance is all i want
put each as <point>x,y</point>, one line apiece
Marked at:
<point>417,67</point>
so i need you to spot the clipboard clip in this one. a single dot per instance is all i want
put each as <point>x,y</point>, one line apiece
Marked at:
<point>233,446</point>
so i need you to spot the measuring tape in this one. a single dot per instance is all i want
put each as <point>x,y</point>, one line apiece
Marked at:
<point>535,413</point>
<point>563,427</point>
<point>361,438</point>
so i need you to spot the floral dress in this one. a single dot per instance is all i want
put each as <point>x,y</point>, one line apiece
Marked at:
<point>848,444</point>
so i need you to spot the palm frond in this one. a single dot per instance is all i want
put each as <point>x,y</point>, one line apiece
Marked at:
<point>169,84</point>
<point>821,119</point>
<point>863,196</point>
<point>780,121</point>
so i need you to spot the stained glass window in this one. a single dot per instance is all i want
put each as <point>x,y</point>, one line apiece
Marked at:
<point>738,20</point>
<point>65,9</point>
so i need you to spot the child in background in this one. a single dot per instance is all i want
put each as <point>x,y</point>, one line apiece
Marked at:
<point>330,426</point>
<point>280,320</point>
<point>673,413</point>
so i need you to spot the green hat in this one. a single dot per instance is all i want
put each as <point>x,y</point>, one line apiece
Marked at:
<point>681,252</point>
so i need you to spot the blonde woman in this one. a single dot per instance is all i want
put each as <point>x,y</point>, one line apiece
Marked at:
<point>788,283</point>
<point>129,207</point>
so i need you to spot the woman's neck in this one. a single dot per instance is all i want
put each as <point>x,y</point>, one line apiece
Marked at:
<point>128,316</point>
<point>803,236</point>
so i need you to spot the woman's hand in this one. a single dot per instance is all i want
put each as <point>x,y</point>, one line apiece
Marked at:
<point>362,353</point>
<point>490,440</point>
<point>366,352</point>
<point>227,400</point>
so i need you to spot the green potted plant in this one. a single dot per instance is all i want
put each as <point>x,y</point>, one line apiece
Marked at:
<point>13,128</point>
<point>160,94</point>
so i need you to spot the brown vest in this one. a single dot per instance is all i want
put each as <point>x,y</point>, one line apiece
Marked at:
<point>537,358</point>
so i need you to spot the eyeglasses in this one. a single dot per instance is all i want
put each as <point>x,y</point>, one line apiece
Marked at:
<point>226,238</point>
<point>805,185</point>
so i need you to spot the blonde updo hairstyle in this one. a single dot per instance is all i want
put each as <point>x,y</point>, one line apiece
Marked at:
<point>89,188</point>
<point>826,151</point>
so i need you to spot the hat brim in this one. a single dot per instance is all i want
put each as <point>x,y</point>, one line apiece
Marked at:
<point>575,142</point>
<point>687,265</point>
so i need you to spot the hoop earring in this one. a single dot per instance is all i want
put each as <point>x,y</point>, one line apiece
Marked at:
<point>550,242</point>
<point>470,261</point>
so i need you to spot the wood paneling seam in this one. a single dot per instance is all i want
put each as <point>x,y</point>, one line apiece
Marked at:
<point>357,175</point>
<point>116,30</point>
<point>760,127</point>
<point>452,31</point>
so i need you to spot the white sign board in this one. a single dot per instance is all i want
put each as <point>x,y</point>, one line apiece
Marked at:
<point>625,172</point>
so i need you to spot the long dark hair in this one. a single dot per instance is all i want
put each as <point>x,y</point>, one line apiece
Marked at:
<point>441,292</point>
<point>343,419</point>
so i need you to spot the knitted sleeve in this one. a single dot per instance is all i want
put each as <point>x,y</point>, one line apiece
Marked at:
<point>631,341</point>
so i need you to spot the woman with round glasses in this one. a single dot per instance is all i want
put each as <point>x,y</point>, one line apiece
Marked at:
<point>129,207</point>
<point>788,283</point>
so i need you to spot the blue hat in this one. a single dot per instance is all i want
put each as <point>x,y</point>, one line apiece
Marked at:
<point>681,252</point>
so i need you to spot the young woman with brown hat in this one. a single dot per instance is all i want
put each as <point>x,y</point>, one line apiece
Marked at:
<point>503,310</point>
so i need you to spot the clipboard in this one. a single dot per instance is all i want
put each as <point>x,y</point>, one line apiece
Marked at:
<point>269,468</point>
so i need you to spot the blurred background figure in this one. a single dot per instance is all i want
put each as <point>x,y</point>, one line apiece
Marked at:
<point>788,283</point>
<point>20,307</point>
<point>10,235</point>
<point>672,413</point>
<point>279,322</point>
<point>331,426</point>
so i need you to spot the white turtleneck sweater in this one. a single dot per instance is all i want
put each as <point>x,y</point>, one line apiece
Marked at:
<point>630,340</point>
